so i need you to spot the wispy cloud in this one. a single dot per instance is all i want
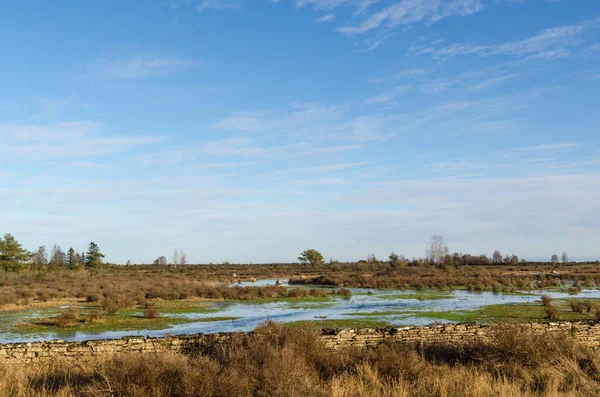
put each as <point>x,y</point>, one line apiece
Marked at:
<point>411,11</point>
<point>72,140</point>
<point>549,42</point>
<point>325,18</point>
<point>491,82</point>
<point>139,67</point>
<point>546,146</point>
<point>312,170</point>
<point>235,5</point>
<point>387,96</point>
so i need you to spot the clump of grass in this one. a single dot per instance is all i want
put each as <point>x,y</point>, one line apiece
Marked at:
<point>583,307</point>
<point>111,306</point>
<point>546,300</point>
<point>68,318</point>
<point>552,312</point>
<point>345,292</point>
<point>94,317</point>
<point>151,312</point>
<point>91,298</point>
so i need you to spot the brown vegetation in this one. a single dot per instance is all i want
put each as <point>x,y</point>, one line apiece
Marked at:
<point>116,287</point>
<point>282,361</point>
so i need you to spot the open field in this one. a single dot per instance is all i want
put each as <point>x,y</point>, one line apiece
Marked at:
<point>284,361</point>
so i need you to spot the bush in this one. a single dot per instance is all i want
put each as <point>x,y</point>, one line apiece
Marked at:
<point>552,312</point>
<point>152,312</point>
<point>546,300</point>
<point>68,318</point>
<point>111,306</point>
<point>92,298</point>
<point>94,317</point>
<point>345,292</point>
<point>582,307</point>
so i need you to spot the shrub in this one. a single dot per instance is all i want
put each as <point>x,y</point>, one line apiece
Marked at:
<point>111,306</point>
<point>546,300</point>
<point>92,298</point>
<point>94,317</point>
<point>582,307</point>
<point>68,318</point>
<point>345,292</point>
<point>151,312</point>
<point>552,312</point>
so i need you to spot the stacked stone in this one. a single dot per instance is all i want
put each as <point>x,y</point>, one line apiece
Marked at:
<point>586,333</point>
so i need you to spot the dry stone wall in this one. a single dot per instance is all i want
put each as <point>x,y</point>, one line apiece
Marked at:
<point>587,334</point>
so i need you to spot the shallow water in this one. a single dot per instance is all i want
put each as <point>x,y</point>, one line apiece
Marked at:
<point>250,315</point>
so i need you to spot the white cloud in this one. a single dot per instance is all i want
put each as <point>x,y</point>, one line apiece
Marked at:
<point>387,96</point>
<point>325,18</point>
<point>140,67</point>
<point>551,42</point>
<point>547,146</point>
<point>491,82</point>
<point>411,11</point>
<point>235,5</point>
<point>68,140</point>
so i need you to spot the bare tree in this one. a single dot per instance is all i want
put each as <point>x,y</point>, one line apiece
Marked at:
<point>497,257</point>
<point>182,258</point>
<point>57,257</point>
<point>129,262</point>
<point>175,259</point>
<point>565,258</point>
<point>436,250</point>
<point>554,259</point>
<point>40,257</point>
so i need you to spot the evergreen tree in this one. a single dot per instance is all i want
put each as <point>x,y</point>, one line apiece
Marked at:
<point>94,256</point>
<point>394,259</point>
<point>311,256</point>
<point>12,254</point>
<point>71,259</point>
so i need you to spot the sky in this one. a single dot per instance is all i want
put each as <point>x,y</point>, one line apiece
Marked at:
<point>251,130</point>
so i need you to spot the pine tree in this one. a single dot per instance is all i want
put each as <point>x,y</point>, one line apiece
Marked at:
<point>94,256</point>
<point>12,254</point>
<point>71,258</point>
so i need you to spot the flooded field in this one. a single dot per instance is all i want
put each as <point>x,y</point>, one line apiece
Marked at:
<point>366,307</point>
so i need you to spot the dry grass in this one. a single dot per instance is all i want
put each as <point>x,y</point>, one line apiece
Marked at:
<point>126,286</point>
<point>281,361</point>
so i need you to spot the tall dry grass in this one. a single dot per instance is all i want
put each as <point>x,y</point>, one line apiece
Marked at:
<point>282,361</point>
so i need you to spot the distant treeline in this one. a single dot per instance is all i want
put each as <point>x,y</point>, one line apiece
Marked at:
<point>14,258</point>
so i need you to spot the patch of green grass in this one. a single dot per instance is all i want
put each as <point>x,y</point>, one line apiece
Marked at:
<point>119,322</point>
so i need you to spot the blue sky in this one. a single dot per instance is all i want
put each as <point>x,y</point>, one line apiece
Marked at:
<point>250,130</point>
